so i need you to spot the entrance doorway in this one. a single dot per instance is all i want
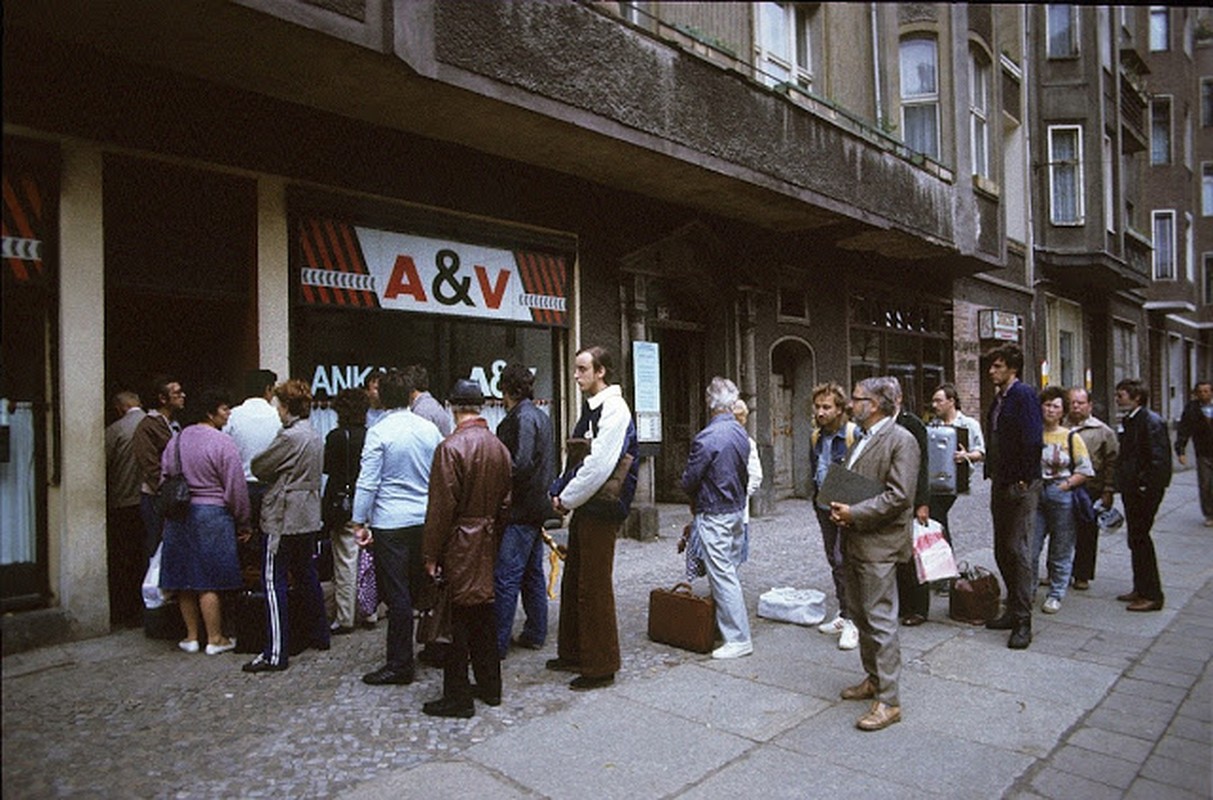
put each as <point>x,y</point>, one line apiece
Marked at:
<point>793,374</point>
<point>682,406</point>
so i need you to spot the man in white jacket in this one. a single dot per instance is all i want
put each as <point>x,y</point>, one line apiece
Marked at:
<point>588,637</point>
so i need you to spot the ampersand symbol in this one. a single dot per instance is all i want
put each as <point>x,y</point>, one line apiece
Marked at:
<point>447,262</point>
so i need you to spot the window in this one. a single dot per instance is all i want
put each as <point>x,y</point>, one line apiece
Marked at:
<point>1160,130</point>
<point>784,44</point>
<point>1164,245</point>
<point>636,13</point>
<point>1207,292</point>
<point>1206,189</point>
<point>979,111</point>
<point>1105,37</point>
<point>1061,33</point>
<point>1065,174</point>
<point>920,95</point>
<point>1109,195</point>
<point>1206,102</point>
<point>1160,29</point>
<point>1124,351</point>
<point>793,304</point>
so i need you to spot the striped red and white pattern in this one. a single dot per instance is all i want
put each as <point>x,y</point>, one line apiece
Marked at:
<point>544,283</point>
<point>22,228</point>
<point>334,271</point>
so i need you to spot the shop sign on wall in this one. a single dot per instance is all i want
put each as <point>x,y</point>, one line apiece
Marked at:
<point>357,267</point>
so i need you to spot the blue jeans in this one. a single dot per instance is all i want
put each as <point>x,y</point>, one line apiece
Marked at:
<point>723,538</point>
<point>520,567</point>
<point>1055,519</point>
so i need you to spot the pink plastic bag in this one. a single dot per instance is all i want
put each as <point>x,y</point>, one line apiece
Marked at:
<point>367,588</point>
<point>933,559</point>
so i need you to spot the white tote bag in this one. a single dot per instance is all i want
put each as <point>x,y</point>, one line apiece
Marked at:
<point>152,596</point>
<point>933,559</point>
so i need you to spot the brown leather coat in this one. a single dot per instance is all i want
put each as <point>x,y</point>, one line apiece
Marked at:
<point>468,495</point>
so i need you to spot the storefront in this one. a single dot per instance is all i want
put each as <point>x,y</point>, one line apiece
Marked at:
<point>388,286</point>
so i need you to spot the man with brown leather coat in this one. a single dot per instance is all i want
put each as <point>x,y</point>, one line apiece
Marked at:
<point>468,495</point>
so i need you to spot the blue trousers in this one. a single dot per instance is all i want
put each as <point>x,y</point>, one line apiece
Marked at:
<point>296,553</point>
<point>520,568</point>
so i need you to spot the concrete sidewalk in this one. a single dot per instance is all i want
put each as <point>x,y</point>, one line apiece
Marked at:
<point>1104,703</point>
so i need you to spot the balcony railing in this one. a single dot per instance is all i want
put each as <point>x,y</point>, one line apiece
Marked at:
<point>1139,254</point>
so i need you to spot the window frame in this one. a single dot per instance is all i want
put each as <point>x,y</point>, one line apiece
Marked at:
<point>1157,101</point>
<point>929,100</point>
<point>1206,102</point>
<point>1054,165</point>
<point>798,26</point>
<point>1155,217</point>
<point>1109,191</point>
<point>1206,188</point>
<point>1157,13</point>
<point>980,71</point>
<point>1071,26</point>
<point>1207,279</point>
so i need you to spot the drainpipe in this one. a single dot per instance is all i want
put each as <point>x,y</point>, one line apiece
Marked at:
<point>876,67</point>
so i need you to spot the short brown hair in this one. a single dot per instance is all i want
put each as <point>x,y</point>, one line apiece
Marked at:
<point>295,396</point>
<point>829,387</point>
<point>601,359</point>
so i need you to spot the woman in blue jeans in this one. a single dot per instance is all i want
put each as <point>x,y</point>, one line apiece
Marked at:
<point>1065,465</point>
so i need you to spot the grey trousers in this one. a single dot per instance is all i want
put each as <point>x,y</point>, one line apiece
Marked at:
<point>872,601</point>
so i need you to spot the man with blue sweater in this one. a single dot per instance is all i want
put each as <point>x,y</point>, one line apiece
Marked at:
<point>715,478</point>
<point>1014,437</point>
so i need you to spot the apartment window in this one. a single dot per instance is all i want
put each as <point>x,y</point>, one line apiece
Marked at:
<point>1065,174</point>
<point>636,13</point>
<point>1164,245</point>
<point>979,111</point>
<point>1109,194</point>
<point>1206,102</point>
<point>1160,29</point>
<point>1124,351</point>
<point>1105,34</point>
<point>785,46</point>
<point>1060,22</point>
<point>1160,130</point>
<point>1206,189</point>
<point>1207,291</point>
<point>920,95</point>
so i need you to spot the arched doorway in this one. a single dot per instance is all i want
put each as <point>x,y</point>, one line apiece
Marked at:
<point>793,373</point>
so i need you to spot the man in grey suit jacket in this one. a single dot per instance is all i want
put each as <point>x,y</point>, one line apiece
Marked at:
<point>876,537</point>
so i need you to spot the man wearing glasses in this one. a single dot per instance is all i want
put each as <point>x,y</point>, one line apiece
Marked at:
<point>876,538</point>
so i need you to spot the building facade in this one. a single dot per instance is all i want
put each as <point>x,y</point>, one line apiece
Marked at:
<point>783,193</point>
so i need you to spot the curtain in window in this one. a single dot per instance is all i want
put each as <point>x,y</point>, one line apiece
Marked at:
<point>1065,176</point>
<point>17,476</point>
<point>1164,246</point>
<point>1160,132</point>
<point>1061,37</point>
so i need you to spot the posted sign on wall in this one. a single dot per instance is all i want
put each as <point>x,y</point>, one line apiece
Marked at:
<point>357,267</point>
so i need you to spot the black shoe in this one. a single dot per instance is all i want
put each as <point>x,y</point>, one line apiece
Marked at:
<point>388,675</point>
<point>340,630</point>
<point>560,665</point>
<point>486,697</point>
<point>1004,623</point>
<point>518,641</point>
<point>1021,636</point>
<point>585,683</point>
<point>260,664</point>
<point>448,708</point>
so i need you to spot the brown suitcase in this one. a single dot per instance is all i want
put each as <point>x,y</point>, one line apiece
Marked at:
<point>681,618</point>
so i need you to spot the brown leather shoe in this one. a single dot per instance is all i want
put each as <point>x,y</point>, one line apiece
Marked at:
<point>879,717</point>
<point>1144,605</point>
<point>1081,585</point>
<point>1129,597</point>
<point>865,690</point>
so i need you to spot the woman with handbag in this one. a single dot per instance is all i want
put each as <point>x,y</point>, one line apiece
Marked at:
<point>290,519</point>
<point>1065,466</point>
<point>198,557</point>
<point>342,458</point>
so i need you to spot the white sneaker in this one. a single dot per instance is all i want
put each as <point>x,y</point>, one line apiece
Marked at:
<point>1052,605</point>
<point>833,627</point>
<point>733,650</point>
<point>849,639</point>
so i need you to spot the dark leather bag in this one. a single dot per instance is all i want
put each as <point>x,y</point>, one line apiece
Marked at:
<point>173,497</point>
<point>974,596</point>
<point>433,608</point>
<point>681,618</point>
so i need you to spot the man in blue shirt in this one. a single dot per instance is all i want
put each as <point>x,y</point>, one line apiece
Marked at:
<point>715,478</point>
<point>391,495</point>
<point>1014,437</point>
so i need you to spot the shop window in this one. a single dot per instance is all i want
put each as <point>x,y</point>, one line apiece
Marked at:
<point>1160,130</point>
<point>979,111</point>
<point>1061,30</point>
<point>784,47</point>
<point>910,340</point>
<point>920,95</point>
<point>1160,29</point>
<point>1164,245</point>
<point>1065,174</point>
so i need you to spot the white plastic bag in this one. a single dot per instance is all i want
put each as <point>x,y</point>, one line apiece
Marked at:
<point>933,559</point>
<point>152,596</point>
<point>787,604</point>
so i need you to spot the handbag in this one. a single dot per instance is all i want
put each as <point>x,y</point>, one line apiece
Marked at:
<point>933,559</point>
<point>798,606</point>
<point>681,618</point>
<point>1084,508</point>
<point>974,596</point>
<point>610,491</point>
<point>339,505</point>
<point>173,497</point>
<point>433,608</point>
<point>367,589</point>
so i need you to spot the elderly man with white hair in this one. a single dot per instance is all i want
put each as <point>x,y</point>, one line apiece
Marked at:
<point>716,478</point>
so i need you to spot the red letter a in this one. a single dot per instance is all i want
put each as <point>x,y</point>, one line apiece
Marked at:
<point>404,280</point>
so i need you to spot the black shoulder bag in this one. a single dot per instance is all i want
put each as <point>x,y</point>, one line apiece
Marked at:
<point>173,497</point>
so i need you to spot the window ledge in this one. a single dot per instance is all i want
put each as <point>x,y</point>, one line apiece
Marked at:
<point>987,187</point>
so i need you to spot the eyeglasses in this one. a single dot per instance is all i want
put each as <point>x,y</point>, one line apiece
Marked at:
<point>855,399</point>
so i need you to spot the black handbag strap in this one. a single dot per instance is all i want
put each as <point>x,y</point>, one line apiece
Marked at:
<point>347,460</point>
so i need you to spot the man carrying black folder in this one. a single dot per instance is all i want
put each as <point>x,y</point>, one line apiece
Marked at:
<point>876,537</point>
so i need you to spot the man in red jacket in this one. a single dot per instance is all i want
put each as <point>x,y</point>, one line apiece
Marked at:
<point>468,495</point>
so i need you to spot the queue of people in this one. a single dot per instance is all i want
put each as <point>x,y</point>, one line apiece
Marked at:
<point>438,498</point>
